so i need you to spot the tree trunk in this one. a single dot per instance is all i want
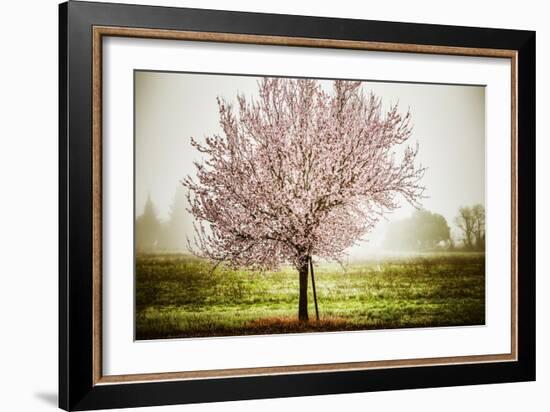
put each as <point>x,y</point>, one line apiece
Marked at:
<point>302,306</point>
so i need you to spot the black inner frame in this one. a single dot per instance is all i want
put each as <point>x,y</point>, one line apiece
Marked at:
<point>76,388</point>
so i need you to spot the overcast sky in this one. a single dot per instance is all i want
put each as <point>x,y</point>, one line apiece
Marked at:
<point>449,125</point>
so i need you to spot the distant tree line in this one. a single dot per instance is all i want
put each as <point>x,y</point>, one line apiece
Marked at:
<point>153,234</point>
<point>425,230</point>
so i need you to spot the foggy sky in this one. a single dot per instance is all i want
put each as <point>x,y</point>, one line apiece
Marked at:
<point>449,126</point>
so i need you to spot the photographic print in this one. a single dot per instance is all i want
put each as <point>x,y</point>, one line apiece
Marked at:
<point>270,205</point>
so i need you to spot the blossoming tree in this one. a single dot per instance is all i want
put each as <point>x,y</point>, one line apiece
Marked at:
<point>299,172</point>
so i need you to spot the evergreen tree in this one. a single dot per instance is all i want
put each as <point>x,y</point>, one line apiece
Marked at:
<point>147,228</point>
<point>179,224</point>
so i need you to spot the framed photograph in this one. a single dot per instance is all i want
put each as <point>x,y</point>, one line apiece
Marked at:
<point>256,206</point>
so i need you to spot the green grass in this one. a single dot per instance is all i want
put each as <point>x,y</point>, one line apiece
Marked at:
<point>177,296</point>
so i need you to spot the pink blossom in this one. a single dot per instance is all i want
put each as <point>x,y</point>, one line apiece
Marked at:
<point>299,172</point>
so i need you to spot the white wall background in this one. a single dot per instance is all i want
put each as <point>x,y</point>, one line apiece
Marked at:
<point>28,204</point>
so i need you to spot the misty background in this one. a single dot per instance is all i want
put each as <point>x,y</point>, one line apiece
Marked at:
<point>449,126</point>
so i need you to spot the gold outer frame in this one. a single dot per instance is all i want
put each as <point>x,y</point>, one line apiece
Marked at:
<point>100,31</point>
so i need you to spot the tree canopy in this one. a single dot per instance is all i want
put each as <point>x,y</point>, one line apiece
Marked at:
<point>299,172</point>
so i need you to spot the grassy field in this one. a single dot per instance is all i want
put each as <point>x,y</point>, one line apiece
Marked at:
<point>176,296</point>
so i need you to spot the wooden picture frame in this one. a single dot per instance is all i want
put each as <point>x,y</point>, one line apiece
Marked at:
<point>83,26</point>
